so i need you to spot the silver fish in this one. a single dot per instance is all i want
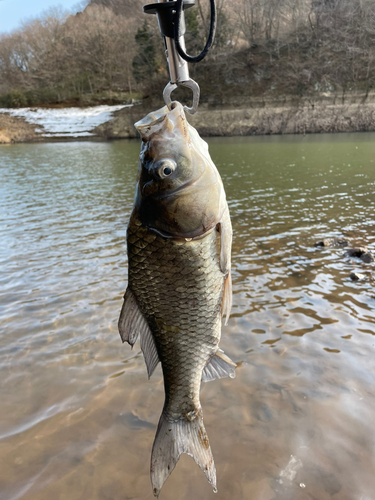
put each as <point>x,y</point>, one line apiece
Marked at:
<point>179,244</point>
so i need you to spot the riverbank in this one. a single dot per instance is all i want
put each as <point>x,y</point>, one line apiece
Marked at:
<point>325,113</point>
<point>260,116</point>
<point>51,124</point>
<point>16,129</point>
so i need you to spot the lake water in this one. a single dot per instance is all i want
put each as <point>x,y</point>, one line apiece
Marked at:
<point>78,414</point>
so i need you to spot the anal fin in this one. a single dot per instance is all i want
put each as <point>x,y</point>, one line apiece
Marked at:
<point>131,324</point>
<point>219,366</point>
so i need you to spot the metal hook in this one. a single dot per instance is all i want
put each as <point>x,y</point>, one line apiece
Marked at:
<point>191,84</point>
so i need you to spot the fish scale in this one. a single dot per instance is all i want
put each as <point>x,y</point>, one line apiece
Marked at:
<point>185,336</point>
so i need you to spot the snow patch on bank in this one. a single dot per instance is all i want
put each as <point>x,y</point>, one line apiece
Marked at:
<point>66,122</point>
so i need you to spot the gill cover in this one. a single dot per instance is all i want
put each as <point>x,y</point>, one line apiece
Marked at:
<point>179,190</point>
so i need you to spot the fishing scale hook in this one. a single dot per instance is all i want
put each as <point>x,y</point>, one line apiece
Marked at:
<point>171,20</point>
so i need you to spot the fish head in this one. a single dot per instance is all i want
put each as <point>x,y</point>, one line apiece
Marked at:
<point>179,190</point>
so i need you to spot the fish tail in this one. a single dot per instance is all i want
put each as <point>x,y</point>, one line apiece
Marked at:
<point>174,438</point>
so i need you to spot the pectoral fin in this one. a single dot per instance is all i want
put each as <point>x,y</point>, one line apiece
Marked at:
<point>225,228</point>
<point>219,366</point>
<point>226,304</point>
<point>131,324</point>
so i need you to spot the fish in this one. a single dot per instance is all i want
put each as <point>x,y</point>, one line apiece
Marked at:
<point>179,241</point>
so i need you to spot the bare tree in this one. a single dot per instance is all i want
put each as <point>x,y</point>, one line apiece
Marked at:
<point>300,47</point>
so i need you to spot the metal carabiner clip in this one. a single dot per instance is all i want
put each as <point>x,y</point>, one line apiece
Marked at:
<point>170,87</point>
<point>178,67</point>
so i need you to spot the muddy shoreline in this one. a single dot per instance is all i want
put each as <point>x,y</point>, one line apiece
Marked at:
<point>14,129</point>
<point>326,113</point>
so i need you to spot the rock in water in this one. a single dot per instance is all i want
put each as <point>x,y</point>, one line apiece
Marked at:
<point>367,257</point>
<point>356,276</point>
<point>333,242</point>
<point>361,253</point>
<point>356,252</point>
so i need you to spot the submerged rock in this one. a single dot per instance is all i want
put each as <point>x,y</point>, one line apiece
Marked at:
<point>361,253</point>
<point>356,252</point>
<point>356,276</point>
<point>333,242</point>
<point>367,257</point>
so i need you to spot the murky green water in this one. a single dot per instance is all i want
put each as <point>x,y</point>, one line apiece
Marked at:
<point>78,415</point>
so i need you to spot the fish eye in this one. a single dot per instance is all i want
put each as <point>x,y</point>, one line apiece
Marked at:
<point>165,168</point>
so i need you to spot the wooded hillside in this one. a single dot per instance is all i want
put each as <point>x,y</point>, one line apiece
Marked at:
<point>112,52</point>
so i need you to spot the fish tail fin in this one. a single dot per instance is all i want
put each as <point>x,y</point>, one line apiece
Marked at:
<point>174,438</point>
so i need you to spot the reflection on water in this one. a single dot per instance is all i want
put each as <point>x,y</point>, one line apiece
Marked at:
<point>78,415</point>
